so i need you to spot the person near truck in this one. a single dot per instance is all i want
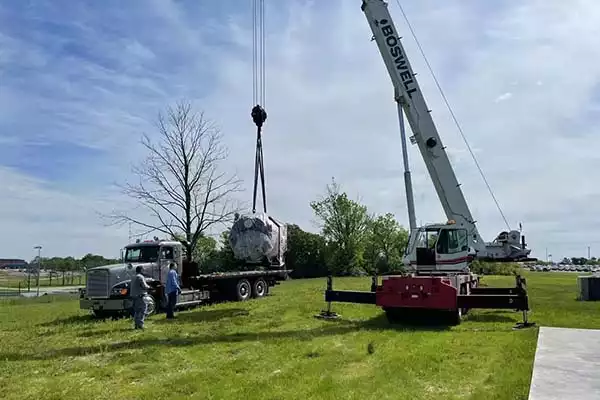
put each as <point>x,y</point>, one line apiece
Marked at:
<point>139,289</point>
<point>172,290</point>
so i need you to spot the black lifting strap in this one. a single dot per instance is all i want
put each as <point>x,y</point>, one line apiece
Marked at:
<point>259,116</point>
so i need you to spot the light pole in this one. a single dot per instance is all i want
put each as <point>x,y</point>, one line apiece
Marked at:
<point>39,249</point>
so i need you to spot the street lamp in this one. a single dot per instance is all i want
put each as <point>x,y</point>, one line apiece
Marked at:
<point>39,249</point>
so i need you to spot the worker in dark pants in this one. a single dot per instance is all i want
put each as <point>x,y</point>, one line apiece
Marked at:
<point>172,290</point>
<point>139,289</point>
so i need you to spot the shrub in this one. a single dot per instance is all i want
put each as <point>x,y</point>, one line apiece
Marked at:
<point>495,268</point>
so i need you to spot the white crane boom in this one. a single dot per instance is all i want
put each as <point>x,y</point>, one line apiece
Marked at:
<point>425,135</point>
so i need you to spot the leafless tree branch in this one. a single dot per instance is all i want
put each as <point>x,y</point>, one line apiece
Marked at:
<point>180,183</point>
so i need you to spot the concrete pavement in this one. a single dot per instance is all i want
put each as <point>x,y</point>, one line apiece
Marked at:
<point>567,365</point>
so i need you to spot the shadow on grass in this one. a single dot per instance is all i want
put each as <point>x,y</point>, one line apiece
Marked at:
<point>74,319</point>
<point>203,315</point>
<point>91,334</point>
<point>336,327</point>
<point>488,317</point>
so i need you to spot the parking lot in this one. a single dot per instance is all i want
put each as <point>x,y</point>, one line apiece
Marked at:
<point>564,268</point>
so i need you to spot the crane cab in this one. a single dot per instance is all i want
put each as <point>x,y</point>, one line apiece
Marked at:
<point>438,247</point>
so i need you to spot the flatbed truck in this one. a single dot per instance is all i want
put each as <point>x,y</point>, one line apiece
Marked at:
<point>106,293</point>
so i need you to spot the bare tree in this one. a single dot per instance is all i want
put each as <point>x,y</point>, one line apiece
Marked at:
<point>179,181</point>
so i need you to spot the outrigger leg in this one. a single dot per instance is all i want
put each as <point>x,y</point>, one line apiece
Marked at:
<point>328,314</point>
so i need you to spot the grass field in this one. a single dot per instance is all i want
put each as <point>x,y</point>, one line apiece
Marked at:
<point>273,348</point>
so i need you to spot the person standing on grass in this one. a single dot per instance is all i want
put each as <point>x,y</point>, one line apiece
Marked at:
<point>172,290</point>
<point>139,289</point>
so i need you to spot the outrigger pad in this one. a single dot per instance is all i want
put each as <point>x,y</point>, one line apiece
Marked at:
<point>523,325</point>
<point>328,315</point>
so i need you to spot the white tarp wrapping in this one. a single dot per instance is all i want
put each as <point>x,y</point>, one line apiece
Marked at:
<point>257,238</point>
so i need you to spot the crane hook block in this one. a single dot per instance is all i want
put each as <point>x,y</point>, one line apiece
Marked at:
<point>259,115</point>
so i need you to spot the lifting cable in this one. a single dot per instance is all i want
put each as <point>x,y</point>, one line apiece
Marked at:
<point>452,114</point>
<point>259,115</point>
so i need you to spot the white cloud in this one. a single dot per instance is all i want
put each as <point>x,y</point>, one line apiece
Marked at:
<point>331,113</point>
<point>504,96</point>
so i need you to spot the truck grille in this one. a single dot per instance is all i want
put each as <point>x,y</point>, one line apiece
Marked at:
<point>97,283</point>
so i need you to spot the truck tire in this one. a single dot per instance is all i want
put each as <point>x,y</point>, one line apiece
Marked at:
<point>150,306</point>
<point>243,290</point>
<point>259,288</point>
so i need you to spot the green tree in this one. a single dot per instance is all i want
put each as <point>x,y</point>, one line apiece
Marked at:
<point>385,244</point>
<point>344,224</point>
<point>306,253</point>
<point>204,249</point>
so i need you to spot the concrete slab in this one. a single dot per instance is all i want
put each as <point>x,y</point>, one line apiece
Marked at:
<point>567,365</point>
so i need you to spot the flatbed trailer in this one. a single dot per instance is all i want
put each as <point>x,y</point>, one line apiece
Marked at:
<point>452,295</point>
<point>201,289</point>
<point>237,285</point>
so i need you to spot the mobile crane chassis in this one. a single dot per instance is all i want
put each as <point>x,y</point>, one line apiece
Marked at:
<point>440,279</point>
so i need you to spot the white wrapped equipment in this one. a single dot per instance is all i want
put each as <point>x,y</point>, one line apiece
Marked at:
<point>258,239</point>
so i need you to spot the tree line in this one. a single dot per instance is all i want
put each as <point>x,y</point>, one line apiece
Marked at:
<point>351,242</point>
<point>185,193</point>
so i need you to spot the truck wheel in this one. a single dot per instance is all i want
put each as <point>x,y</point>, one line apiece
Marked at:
<point>150,306</point>
<point>259,288</point>
<point>243,290</point>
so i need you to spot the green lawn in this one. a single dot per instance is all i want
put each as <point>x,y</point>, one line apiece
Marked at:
<point>273,348</point>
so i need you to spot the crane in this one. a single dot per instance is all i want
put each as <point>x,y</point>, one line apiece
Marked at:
<point>462,231</point>
<point>439,254</point>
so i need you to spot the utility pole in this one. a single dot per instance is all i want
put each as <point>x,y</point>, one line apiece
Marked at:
<point>39,249</point>
<point>546,254</point>
<point>588,253</point>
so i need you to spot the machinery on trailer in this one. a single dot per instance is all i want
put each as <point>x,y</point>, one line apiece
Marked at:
<point>258,238</point>
<point>107,287</point>
<point>437,255</point>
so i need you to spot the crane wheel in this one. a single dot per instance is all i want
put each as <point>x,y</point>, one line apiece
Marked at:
<point>394,315</point>
<point>463,290</point>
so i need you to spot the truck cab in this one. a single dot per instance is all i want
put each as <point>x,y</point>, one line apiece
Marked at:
<point>107,287</point>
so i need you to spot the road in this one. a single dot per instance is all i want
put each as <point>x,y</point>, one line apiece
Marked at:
<point>6,291</point>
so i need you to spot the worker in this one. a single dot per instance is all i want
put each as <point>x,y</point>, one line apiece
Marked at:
<point>172,290</point>
<point>139,289</point>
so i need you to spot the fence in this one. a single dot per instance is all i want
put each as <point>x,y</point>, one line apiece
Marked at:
<point>27,284</point>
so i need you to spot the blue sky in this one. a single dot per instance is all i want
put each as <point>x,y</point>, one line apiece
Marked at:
<point>81,81</point>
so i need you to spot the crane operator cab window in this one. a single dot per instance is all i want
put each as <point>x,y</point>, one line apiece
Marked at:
<point>439,244</point>
<point>426,246</point>
<point>452,241</point>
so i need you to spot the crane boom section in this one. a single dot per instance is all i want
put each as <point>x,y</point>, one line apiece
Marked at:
<point>419,116</point>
